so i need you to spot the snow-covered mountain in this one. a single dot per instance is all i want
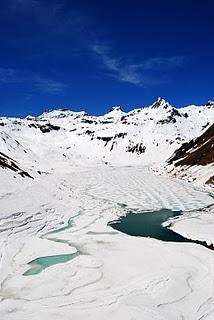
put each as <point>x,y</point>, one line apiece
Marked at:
<point>143,136</point>
<point>63,177</point>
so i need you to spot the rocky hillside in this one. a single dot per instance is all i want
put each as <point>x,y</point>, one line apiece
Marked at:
<point>194,160</point>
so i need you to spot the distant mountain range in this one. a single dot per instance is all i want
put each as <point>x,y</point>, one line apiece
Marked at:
<point>175,139</point>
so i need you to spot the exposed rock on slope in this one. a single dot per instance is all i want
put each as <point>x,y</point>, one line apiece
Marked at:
<point>195,159</point>
<point>9,163</point>
<point>210,181</point>
<point>199,151</point>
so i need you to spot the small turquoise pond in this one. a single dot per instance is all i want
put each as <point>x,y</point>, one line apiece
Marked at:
<point>149,224</point>
<point>39,264</point>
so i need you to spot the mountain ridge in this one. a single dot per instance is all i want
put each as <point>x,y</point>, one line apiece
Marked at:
<point>142,136</point>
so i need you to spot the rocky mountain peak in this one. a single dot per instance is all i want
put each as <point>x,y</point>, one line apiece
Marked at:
<point>160,102</point>
<point>116,108</point>
<point>210,103</point>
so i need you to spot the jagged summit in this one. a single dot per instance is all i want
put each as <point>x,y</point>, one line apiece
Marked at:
<point>160,102</point>
<point>116,111</point>
<point>210,103</point>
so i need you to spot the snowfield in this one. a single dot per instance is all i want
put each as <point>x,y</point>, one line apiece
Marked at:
<point>114,276</point>
<point>84,172</point>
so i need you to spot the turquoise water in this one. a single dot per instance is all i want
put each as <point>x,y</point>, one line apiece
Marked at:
<point>149,224</point>
<point>40,264</point>
<point>65,227</point>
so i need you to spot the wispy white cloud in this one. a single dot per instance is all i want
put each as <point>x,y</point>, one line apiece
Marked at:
<point>49,86</point>
<point>134,73</point>
<point>58,19</point>
<point>159,63</point>
<point>122,72</point>
<point>8,75</point>
<point>37,82</point>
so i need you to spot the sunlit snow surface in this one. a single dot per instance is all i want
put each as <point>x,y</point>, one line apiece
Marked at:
<point>59,259</point>
<point>114,276</point>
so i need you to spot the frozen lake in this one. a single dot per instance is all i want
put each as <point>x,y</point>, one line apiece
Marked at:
<point>114,276</point>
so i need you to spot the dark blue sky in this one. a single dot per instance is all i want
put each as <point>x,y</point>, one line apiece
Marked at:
<point>93,54</point>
